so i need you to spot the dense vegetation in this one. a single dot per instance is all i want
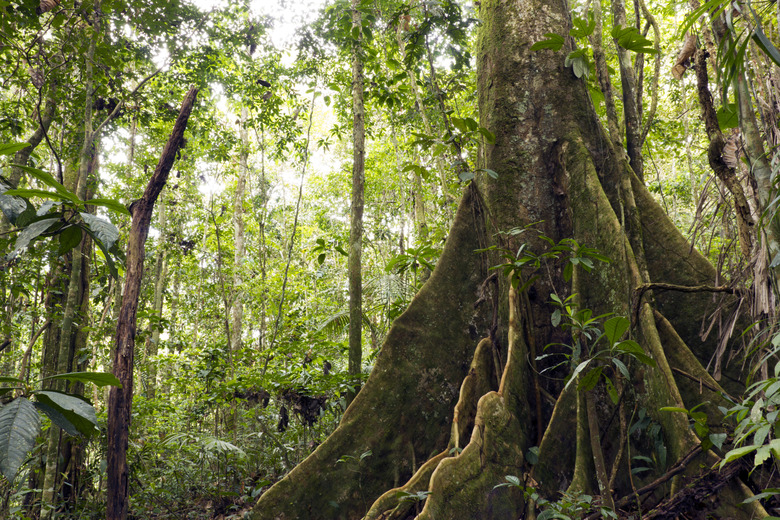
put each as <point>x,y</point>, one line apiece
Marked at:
<point>242,359</point>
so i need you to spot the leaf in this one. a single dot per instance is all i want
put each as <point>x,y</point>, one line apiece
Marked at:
<point>553,42</point>
<point>11,148</point>
<point>19,426</point>
<point>489,136</point>
<point>762,455</point>
<point>110,204</point>
<point>101,229</point>
<point>621,368</point>
<point>512,479</point>
<point>631,39</point>
<point>728,116</point>
<point>465,176</point>
<point>763,42</point>
<point>579,63</point>
<point>673,409</point>
<point>97,378</point>
<point>460,124</point>
<point>611,390</point>
<point>47,179</point>
<point>769,492</point>
<point>614,328</point>
<point>590,380</point>
<point>12,207</point>
<point>30,233</point>
<point>555,319</point>
<point>12,380</point>
<point>58,419</point>
<point>69,238</point>
<point>583,28</point>
<point>79,412</point>
<point>27,193</point>
<point>737,453</point>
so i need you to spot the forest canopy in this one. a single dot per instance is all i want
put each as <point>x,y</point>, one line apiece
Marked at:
<point>386,259</point>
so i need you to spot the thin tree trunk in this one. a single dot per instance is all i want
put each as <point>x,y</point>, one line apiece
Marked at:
<point>121,399</point>
<point>630,109</point>
<point>239,250</point>
<point>356,220</point>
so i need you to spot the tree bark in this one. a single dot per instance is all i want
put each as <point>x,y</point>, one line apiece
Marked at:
<point>121,399</point>
<point>356,218</point>
<point>559,173</point>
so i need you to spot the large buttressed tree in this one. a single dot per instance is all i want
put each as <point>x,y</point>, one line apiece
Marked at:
<point>456,402</point>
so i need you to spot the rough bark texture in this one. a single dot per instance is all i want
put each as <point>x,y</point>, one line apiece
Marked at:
<point>356,214</point>
<point>403,413</point>
<point>559,171</point>
<point>121,399</point>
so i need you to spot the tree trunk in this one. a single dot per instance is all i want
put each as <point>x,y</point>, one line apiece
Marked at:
<point>239,250</point>
<point>356,218</point>
<point>559,173</point>
<point>121,399</point>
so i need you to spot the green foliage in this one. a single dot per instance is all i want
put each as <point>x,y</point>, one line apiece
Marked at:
<point>631,39</point>
<point>522,264</point>
<point>569,507</point>
<point>65,216</point>
<point>20,424</point>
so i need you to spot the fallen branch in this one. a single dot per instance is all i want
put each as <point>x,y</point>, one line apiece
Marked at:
<point>676,470</point>
<point>701,490</point>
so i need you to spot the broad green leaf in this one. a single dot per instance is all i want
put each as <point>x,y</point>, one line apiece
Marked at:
<point>728,116</point>
<point>460,124</point>
<point>12,207</point>
<point>579,63</point>
<point>96,378</point>
<point>27,193</point>
<point>622,368</point>
<point>31,232</point>
<point>465,176</point>
<point>69,238</point>
<point>553,42</point>
<point>737,453</point>
<point>47,179</point>
<point>674,409</point>
<point>11,148</point>
<point>101,229</point>
<point>590,379</point>
<point>611,390</point>
<point>58,418</point>
<point>583,28</point>
<point>12,380</point>
<point>762,455</point>
<point>489,136</point>
<point>79,412</point>
<point>19,426</point>
<point>614,328</point>
<point>769,492</point>
<point>631,39</point>
<point>110,204</point>
<point>717,439</point>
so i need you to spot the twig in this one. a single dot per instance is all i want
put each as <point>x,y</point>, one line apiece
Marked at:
<point>677,469</point>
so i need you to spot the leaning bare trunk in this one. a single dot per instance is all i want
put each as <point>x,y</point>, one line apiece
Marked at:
<point>120,399</point>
